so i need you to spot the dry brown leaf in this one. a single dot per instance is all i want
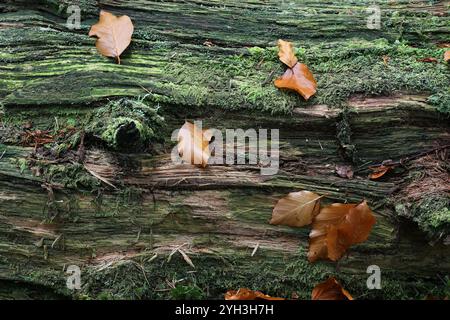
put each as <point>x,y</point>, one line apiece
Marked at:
<point>330,290</point>
<point>300,79</point>
<point>247,294</point>
<point>428,59</point>
<point>380,171</point>
<point>337,227</point>
<point>447,55</point>
<point>113,33</point>
<point>297,209</point>
<point>286,53</point>
<point>193,144</point>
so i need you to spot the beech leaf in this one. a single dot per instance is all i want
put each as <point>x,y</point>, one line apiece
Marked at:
<point>286,53</point>
<point>337,227</point>
<point>193,144</point>
<point>300,79</point>
<point>447,55</point>
<point>330,290</point>
<point>113,33</point>
<point>247,294</point>
<point>296,210</point>
<point>380,171</point>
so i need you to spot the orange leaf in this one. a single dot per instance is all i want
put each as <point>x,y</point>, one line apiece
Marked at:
<point>113,33</point>
<point>247,294</point>
<point>299,79</point>
<point>296,210</point>
<point>447,55</point>
<point>286,53</point>
<point>337,227</point>
<point>193,144</point>
<point>380,171</point>
<point>330,290</point>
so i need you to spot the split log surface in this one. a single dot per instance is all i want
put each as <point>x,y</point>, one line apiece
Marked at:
<point>104,195</point>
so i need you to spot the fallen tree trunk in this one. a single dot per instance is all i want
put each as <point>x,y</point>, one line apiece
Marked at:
<point>96,188</point>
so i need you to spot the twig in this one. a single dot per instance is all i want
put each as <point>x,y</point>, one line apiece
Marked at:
<point>256,249</point>
<point>3,153</point>
<point>99,177</point>
<point>406,159</point>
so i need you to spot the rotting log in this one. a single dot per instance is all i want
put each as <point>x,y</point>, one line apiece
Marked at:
<point>104,195</point>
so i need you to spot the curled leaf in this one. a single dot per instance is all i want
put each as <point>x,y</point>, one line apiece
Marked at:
<point>299,79</point>
<point>286,53</point>
<point>380,171</point>
<point>330,290</point>
<point>193,144</point>
<point>337,227</point>
<point>113,33</point>
<point>247,294</point>
<point>296,210</point>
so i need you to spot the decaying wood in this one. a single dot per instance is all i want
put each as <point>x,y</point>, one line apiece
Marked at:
<point>139,226</point>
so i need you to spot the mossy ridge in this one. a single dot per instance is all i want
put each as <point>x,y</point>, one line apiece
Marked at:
<point>216,274</point>
<point>127,124</point>
<point>190,74</point>
<point>195,80</point>
<point>432,215</point>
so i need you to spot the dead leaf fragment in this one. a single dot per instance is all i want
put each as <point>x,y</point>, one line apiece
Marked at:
<point>344,171</point>
<point>300,79</point>
<point>286,53</point>
<point>428,60</point>
<point>447,55</point>
<point>337,227</point>
<point>330,290</point>
<point>193,144</point>
<point>247,294</point>
<point>113,33</point>
<point>296,210</point>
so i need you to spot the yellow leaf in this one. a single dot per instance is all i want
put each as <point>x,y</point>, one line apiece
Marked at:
<point>296,210</point>
<point>113,33</point>
<point>286,53</point>
<point>193,144</point>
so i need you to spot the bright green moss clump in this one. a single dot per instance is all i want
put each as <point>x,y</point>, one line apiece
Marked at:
<point>126,124</point>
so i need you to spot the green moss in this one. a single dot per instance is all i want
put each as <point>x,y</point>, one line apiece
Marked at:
<point>70,176</point>
<point>432,214</point>
<point>126,124</point>
<point>181,292</point>
<point>215,275</point>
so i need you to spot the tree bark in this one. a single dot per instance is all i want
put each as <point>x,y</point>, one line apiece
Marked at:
<point>102,193</point>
